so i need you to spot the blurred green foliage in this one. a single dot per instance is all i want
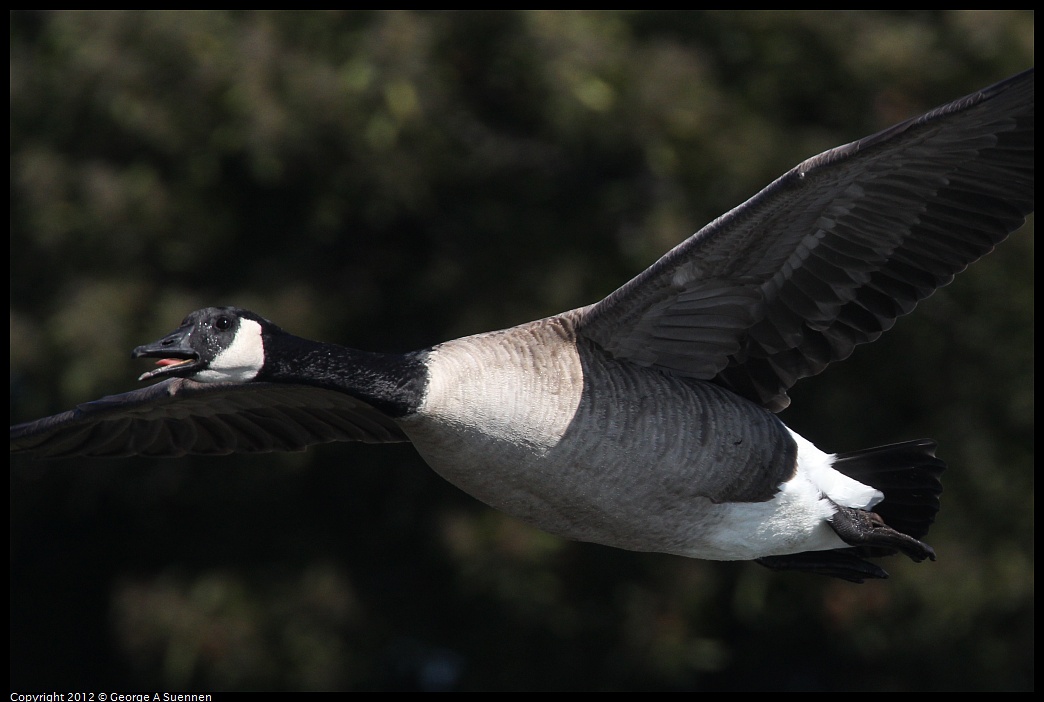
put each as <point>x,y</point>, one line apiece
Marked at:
<point>392,179</point>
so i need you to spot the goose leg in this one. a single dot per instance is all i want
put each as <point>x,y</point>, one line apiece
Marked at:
<point>835,564</point>
<point>859,527</point>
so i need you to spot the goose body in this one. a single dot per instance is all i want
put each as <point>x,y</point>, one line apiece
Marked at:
<point>508,418</point>
<point>645,421</point>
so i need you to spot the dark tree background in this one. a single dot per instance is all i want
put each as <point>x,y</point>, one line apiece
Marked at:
<point>392,179</point>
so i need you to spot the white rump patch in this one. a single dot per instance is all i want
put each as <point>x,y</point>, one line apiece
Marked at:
<point>818,467</point>
<point>241,360</point>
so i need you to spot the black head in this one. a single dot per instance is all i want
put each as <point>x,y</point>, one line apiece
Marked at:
<point>213,344</point>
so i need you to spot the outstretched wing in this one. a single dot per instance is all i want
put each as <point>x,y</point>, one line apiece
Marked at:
<point>830,254</point>
<point>181,416</point>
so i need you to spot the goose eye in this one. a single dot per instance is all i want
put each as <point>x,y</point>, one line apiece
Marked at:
<point>222,323</point>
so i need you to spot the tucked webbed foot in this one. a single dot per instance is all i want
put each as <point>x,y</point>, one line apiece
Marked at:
<point>860,528</point>
<point>834,564</point>
<point>868,535</point>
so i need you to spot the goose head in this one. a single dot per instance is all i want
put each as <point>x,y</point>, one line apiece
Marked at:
<point>214,344</point>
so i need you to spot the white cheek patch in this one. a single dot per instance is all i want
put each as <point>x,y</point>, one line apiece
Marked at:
<point>241,361</point>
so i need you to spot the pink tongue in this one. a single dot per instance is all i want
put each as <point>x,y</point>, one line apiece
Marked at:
<point>169,361</point>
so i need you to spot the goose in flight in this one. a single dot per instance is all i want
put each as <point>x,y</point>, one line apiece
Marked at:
<point>647,420</point>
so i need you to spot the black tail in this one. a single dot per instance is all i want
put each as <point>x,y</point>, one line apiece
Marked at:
<point>909,476</point>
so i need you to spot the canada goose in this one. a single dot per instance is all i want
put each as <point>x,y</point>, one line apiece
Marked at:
<point>645,421</point>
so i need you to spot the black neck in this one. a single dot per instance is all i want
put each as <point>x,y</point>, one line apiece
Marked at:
<point>392,383</point>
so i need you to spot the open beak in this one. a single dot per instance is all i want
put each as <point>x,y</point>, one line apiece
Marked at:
<point>176,356</point>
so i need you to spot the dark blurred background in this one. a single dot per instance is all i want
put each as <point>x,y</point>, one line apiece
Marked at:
<point>389,180</point>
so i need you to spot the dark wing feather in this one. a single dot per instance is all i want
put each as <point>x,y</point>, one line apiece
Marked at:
<point>830,254</point>
<point>180,416</point>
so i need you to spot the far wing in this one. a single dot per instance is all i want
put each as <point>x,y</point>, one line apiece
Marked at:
<point>181,416</point>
